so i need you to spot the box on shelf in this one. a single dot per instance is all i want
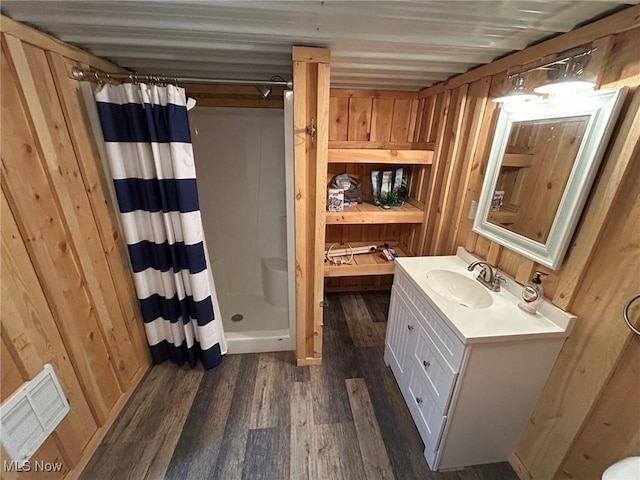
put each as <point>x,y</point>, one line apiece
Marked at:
<point>496,201</point>
<point>335,199</point>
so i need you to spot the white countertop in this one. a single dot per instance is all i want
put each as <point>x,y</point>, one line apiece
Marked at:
<point>502,321</point>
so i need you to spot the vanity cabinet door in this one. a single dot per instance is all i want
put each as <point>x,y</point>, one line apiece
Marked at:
<point>400,338</point>
<point>426,414</point>
<point>437,374</point>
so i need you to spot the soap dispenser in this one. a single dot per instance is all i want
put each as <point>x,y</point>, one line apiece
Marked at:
<point>532,295</point>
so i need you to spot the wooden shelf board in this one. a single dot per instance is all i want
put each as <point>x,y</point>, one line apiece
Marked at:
<point>423,146</point>
<point>363,155</point>
<point>364,263</point>
<point>517,160</point>
<point>367,145</point>
<point>368,213</point>
<point>503,217</point>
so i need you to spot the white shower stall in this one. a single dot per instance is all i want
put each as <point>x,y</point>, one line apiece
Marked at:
<point>244,164</point>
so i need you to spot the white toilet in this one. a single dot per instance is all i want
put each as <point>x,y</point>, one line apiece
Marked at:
<point>625,469</point>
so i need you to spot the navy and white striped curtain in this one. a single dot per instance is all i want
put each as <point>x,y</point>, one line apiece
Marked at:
<point>148,144</point>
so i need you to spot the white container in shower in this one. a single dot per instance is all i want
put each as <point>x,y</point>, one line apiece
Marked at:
<point>274,281</point>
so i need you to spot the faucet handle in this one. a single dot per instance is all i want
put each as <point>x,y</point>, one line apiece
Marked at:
<point>497,279</point>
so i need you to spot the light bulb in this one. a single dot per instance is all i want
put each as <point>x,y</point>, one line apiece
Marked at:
<point>571,86</point>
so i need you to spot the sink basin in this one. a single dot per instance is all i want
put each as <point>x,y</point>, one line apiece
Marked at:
<point>459,289</point>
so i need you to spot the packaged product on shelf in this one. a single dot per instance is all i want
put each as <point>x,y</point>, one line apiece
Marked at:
<point>496,201</point>
<point>389,187</point>
<point>389,253</point>
<point>350,186</point>
<point>335,199</point>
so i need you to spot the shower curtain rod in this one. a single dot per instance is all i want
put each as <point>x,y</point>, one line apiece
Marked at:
<point>99,77</point>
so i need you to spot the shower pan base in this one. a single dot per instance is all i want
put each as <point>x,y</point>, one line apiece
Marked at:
<point>263,328</point>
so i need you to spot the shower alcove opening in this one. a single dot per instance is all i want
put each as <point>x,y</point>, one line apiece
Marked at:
<point>244,163</point>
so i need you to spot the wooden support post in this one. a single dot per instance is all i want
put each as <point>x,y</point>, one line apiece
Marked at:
<point>311,107</point>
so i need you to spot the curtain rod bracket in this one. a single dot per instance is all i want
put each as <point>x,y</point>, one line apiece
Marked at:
<point>78,74</point>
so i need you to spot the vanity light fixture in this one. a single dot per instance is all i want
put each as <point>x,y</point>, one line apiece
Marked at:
<point>565,75</point>
<point>517,92</point>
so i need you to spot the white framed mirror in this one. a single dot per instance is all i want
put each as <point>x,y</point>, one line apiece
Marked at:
<point>542,164</point>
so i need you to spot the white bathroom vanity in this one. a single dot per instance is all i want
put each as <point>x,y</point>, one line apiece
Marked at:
<point>470,364</point>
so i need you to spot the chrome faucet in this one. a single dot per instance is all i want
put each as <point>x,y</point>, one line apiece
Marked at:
<point>487,276</point>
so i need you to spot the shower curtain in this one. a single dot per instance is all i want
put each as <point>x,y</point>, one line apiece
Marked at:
<point>148,145</point>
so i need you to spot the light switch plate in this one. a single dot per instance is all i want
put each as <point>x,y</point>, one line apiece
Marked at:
<point>473,210</point>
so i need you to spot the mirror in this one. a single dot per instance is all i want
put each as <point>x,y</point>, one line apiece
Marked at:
<point>542,163</point>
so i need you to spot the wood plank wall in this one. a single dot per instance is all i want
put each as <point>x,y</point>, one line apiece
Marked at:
<point>376,118</point>
<point>584,394</point>
<point>67,292</point>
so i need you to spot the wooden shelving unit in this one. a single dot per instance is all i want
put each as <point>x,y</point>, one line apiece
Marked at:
<point>412,212</point>
<point>364,263</point>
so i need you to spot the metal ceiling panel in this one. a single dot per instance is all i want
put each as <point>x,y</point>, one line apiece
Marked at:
<point>402,45</point>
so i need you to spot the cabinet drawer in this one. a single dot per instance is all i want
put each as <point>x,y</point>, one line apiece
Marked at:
<point>445,340</point>
<point>426,415</point>
<point>437,373</point>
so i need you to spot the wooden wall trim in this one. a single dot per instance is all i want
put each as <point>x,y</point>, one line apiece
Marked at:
<point>311,54</point>
<point>347,93</point>
<point>613,24</point>
<point>233,96</point>
<point>308,361</point>
<point>300,141</point>
<point>322,154</point>
<point>277,103</point>
<point>622,67</point>
<point>344,144</point>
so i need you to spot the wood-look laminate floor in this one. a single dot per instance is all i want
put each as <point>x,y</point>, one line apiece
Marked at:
<point>258,416</point>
